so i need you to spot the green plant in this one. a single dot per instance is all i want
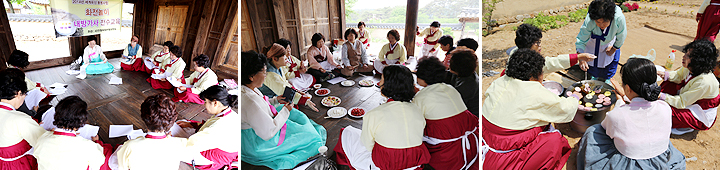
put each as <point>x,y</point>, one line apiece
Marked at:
<point>545,22</point>
<point>447,31</point>
<point>577,16</point>
<point>488,8</point>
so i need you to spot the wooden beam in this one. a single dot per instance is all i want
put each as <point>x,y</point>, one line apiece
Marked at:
<point>280,23</point>
<point>410,25</point>
<point>204,26</point>
<point>342,16</point>
<point>35,65</point>
<point>300,33</point>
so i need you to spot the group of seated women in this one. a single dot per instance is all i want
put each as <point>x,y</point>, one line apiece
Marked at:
<point>634,135</point>
<point>24,144</point>
<point>167,65</point>
<point>413,130</point>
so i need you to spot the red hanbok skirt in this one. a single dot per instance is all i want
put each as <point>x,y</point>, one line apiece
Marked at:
<point>219,157</point>
<point>684,118</point>
<point>187,97</point>
<point>157,84</point>
<point>27,162</point>
<point>388,158</point>
<point>531,148</point>
<point>136,66</point>
<point>449,155</point>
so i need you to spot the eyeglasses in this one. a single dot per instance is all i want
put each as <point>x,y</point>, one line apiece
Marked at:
<point>537,43</point>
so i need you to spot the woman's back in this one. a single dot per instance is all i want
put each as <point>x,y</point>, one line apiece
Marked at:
<point>641,129</point>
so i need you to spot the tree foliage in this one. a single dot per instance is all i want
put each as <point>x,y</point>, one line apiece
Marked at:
<point>443,11</point>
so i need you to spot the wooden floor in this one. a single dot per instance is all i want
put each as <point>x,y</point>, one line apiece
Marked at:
<point>355,96</point>
<point>113,104</point>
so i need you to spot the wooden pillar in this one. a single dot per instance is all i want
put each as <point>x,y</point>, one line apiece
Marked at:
<point>410,25</point>
<point>7,42</point>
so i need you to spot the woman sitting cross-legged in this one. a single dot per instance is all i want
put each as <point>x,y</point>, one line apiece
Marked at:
<point>354,57</point>
<point>273,134</point>
<point>153,61</point>
<point>131,54</point>
<point>452,133</point>
<point>391,53</point>
<point>62,148</point>
<point>276,83</point>
<point>634,135</point>
<point>516,117</point>
<point>201,79</point>
<point>94,61</point>
<point>172,67</point>
<point>392,133</point>
<point>320,59</point>
<point>217,137</point>
<point>157,149</point>
<point>18,131</point>
<point>37,92</point>
<point>692,91</point>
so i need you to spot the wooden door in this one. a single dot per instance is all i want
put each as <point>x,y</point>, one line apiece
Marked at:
<point>227,56</point>
<point>170,23</point>
<point>248,35</point>
<point>314,18</point>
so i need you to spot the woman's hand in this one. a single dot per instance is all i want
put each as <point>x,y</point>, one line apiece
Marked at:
<point>661,74</point>
<point>45,90</point>
<point>339,66</point>
<point>584,65</point>
<point>698,16</point>
<point>182,88</point>
<point>587,57</point>
<point>323,70</point>
<point>95,138</point>
<point>280,99</point>
<point>311,105</point>
<point>289,106</point>
<point>610,50</point>
<point>163,79</point>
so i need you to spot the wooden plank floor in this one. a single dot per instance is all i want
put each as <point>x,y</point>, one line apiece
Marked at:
<point>113,104</point>
<point>355,96</point>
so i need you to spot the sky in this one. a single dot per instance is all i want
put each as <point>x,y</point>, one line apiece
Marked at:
<point>374,4</point>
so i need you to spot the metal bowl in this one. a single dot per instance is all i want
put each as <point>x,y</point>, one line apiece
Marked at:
<point>584,119</point>
<point>550,85</point>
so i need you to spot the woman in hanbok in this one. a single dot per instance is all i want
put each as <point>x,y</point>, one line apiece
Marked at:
<point>94,61</point>
<point>708,20</point>
<point>354,57</point>
<point>364,35</point>
<point>391,53</point>
<point>153,61</point>
<point>516,117</point>
<point>18,131</point>
<point>320,59</point>
<point>296,71</point>
<point>37,92</point>
<point>431,34</point>
<point>216,138</point>
<point>131,53</point>
<point>692,91</point>
<point>62,148</point>
<point>273,133</point>
<point>392,133</point>
<point>602,34</point>
<point>451,134</point>
<point>172,67</point>
<point>634,135</point>
<point>157,149</point>
<point>201,79</point>
<point>276,83</point>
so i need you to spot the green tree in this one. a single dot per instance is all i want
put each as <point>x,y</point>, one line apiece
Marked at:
<point>349,4</point>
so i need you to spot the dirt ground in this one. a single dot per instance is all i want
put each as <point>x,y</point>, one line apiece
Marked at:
<point>648,28</point>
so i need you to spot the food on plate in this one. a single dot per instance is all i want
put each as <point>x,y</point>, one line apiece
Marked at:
<point>330,101</point>
<point>601,96</point>
<point>593,109</point>
<point>323,91</point>
<point>366,82</point>
<point>336,112</point>
<point>348,83</point>
<point>608,93</point>
<point>588,104</point>
<point>357,112</point>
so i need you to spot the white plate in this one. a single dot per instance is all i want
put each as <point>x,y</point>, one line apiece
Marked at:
<point>336,112</point>
<point>316,92</point>
<point>350,110</point>
<point>371,83</point>
<point>325,99</point>
<point>347,83</point>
